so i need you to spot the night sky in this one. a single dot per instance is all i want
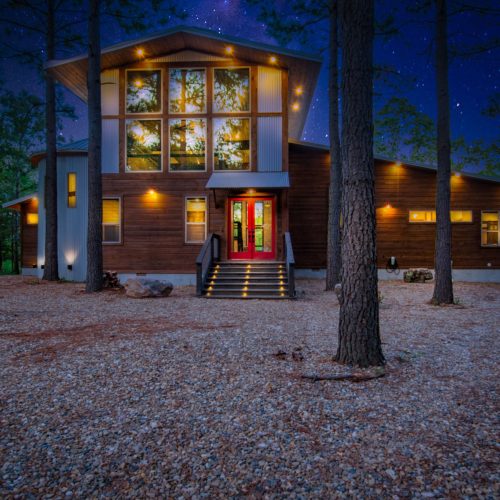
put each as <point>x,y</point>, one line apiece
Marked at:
<point>472,80</point>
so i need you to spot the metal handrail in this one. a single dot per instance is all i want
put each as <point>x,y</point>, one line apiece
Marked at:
<point>290,263</point>
<point>210,252</point>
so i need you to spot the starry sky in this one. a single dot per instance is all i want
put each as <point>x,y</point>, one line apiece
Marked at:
<point>409,54</point>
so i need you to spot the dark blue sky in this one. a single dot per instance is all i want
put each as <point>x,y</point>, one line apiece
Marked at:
<point>472,80</point>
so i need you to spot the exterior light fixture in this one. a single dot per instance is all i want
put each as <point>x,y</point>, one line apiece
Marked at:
<point>388,205</point>
<point>299,91</point>
<point>152,192</point>
<point>228,50</point>
<point>70,267</point>
<point>295,106</point>
<point>273,59</point>
<point>251,191</point>
<point>140,52</point>
<point>456,174</point>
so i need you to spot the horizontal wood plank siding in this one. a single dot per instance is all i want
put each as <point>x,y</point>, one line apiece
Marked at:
<point>404,188</point>
<point>29,237</point>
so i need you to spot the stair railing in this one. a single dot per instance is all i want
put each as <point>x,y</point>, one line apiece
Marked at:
<point>209,253</point>
<point>290,263</point>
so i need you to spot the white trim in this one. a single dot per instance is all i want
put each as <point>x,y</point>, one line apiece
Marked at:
<point>186,223</point>
<point>206,146</point>
<point>229,117</point>
<point>161,92</point>
<point>127,171</point>
<point>218,112</point>
<point>120,224</point>
<point>17,201</point>
<point>205,107</point>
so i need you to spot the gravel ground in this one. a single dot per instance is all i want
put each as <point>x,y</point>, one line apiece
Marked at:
<point>105,396</point>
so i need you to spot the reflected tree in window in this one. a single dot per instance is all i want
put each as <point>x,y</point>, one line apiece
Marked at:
<point>187,90</point>
<point>143,145</point>
<point>187,144</point>
<point>231,89</point>
<point>231,143</point>
<point>144,91</point>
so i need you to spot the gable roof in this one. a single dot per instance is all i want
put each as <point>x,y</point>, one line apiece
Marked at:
<point>16,204</point>
<point>303,69</point>
<point>424,166</point>
<point>79,147</point>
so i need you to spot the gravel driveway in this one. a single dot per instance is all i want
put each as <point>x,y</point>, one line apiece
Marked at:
<point>105,396</point>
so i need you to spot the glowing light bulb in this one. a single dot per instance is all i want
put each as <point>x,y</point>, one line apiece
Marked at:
<point>138,83</point>
<point>273,59</point>
<point>228,50</point>
<point>295,106</point>
<point>299,91</point>
<point>140,52</point>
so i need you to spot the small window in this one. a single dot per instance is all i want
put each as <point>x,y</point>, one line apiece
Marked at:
<point>187,145</point>
<point>490,235</point>
<point>458,216</point>
<point>31,219</point>
<point>187,90</point>
<point>196,220</point>
<point>143,145</point>
<point>143,91</point>
<point>111,220</point>
<point>231,143</point>
<point>231,90</point>
<point>429,216</point>
<point>71,187</point>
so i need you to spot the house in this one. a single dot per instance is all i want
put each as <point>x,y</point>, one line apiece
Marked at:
<point>205,176</point>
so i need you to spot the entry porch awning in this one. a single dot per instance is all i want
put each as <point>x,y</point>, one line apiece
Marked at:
<point>16,204</point>
<point>248,180</point>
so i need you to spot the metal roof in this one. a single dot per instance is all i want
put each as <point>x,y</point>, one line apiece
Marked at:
<point>18,201</point>
<point>246,180</point>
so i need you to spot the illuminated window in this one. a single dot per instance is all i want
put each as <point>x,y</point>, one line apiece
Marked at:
<point>490,233</point>
<point>143,145</point>
<point>196,220</point>
<point>111,220</point>
<point>143,91</point>
<point>31,219</point>
<point>187,90</point>
<point>231,90</point>
<point>231,143</point>
<point>187,144</point>
<point>71,189</point>
<point>429,216</point>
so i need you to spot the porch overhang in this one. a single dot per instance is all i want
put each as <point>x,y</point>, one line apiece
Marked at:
<point>248,180</point>
<point>16,204</point>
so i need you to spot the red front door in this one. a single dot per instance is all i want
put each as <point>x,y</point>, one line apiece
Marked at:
<point>252,228</point>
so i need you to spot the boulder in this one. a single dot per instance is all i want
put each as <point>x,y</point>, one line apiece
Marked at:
<point>418,275</point>
<point>140,288</point>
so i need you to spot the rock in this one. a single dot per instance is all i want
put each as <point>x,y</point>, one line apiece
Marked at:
<point>140,288</point>
<point>418,276</point>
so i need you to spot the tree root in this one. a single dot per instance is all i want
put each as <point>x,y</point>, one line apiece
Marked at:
<point>355,377</point>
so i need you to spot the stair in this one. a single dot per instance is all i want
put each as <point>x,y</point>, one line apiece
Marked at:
<point>247,280</point>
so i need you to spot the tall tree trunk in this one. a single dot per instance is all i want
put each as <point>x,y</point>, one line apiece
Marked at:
<point>359,334</point>
<point>443,286</point>
<point>50,272</point>
<point>94,232</point>
<point>334,259</point>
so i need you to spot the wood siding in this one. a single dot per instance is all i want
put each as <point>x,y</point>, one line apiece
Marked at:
<point>405,188</point>
<point>28,235</point>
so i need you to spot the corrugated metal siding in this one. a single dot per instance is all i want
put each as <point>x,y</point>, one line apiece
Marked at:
<point>269,89</point>
<point>188,55</point>
<point>72,222</point>
<point>109,92</point>
<point>41,218</point>
<point>269,144</point>
<point>110,146</point>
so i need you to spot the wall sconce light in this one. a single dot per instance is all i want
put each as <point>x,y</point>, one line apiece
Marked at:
<point>251,191</point>
<point>388,205</point>
<point>295,106</point>
<point>42,266</point>
<point>273,59</point>
<point>34,266</point>
<point>299,91</point>
<point>140,52</point>
<point>228,50</point>
<point>70,267</point>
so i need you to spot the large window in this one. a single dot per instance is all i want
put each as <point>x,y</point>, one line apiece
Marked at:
<point>187,90</point>
<point>196,220</point>
<point>231,90</point>
<point>143,91</point>
<point>490,229</point>
<point>111,220</point>
<point>231,143</point>
<point>143,145</point>
<point>71,189</point>
<point>429,216</point>
<point>187,144</point>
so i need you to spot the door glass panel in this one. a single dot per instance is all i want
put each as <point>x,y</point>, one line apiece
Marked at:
<point>263,226</point>
<point>240,226</point>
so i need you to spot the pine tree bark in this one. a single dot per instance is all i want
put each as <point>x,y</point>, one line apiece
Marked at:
<point>94,231</point>
<point>334,259</point>
<point>443,285</point>
<point>51,271</point>
<point>359,334</point>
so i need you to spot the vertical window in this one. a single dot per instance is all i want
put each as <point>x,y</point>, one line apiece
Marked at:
<point>490,235</point>
<point>143,145</point>
<point>143,91</point>
<point>111,220</point>
<point>187,91</point>
<point>71,190</point>
<point>196,220</point>
<point>231,143</point>
<point>187,144</point>
<point>231,90</point>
